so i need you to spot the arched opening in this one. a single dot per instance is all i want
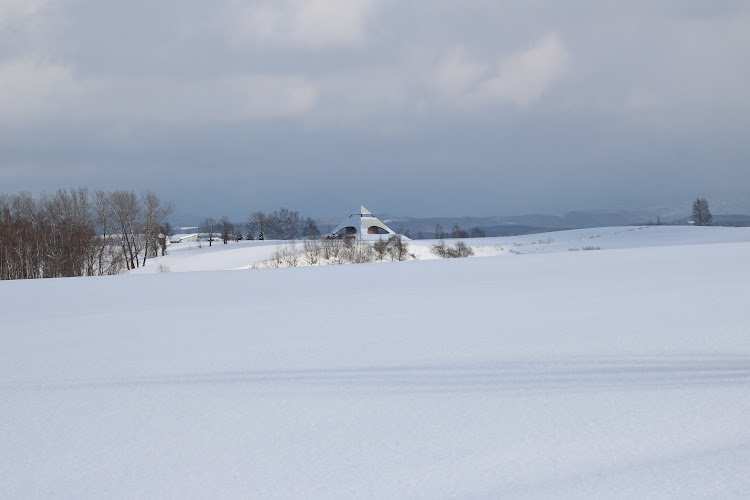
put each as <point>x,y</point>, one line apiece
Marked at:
<point>376,230</point>
<point>346,231</point>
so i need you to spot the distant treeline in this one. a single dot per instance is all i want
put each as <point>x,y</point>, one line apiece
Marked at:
<point>75,233</point>
<point>281,224</point>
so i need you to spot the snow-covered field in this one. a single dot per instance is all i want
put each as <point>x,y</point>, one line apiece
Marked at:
<point>532,372</point>
<point>188,257</point>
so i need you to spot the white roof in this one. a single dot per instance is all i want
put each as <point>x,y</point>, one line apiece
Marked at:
<point>175,238</point>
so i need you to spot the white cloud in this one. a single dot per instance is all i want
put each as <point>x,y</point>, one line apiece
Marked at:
<point>264,96</point>
<point>30,89</point>
<point>27,26</point>
<point>33,91</point>
<point>301,23</point>
<point>11,10</point>
<point>520,79</point>
<point>413,85</point>
<point>350,97</point>
<point>524,77</point>
<point>457,72</point>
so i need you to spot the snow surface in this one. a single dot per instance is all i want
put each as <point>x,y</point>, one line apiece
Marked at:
<point>187,257</point>
<point>618,373</point>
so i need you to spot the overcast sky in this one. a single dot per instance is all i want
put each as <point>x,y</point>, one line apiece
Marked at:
<point>432,107</point>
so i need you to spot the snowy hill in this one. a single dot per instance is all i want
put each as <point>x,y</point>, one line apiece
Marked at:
<point>531,372</point>
<point>241,255</point>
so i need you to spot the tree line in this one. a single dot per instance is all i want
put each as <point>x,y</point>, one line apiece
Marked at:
<point>281,224</point>
<point>457,232</point>
<point>74,232</point>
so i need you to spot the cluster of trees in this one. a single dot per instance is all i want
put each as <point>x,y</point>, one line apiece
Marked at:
<point>224,229</point>
<point>75,233</point>
<point>457,232</point>
<point>281,224</point>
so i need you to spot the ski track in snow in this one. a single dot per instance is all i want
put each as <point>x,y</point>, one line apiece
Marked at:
<point>604,373</point>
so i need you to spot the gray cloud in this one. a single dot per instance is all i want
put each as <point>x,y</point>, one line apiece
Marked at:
<point>418,107</point>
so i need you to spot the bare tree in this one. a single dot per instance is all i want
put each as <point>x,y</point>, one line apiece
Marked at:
<point>54,236</point>
<point>273,226</point>
<point>209,227</point>
<point>126,215</point>
<point>701,214</point>
<point>104,226</point>
<point>381,248</point>
<point>477,233</point>
<point>313,251</point>
<point>258,223</point>
<point>237,232</point>
<point>398,249</point>
<point>154,212</point>
<point>440,249</point>
<point>291,224</point>
<point>457,232</point>
<point>225,228</point>
<point>284,224</point>
<point>439,232</point>
<point>71,239</point>
<point>310,229</point>
<point>166,230</point>
<point>460,250</point>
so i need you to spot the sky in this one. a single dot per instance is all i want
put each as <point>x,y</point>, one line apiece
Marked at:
<point>421,108</point>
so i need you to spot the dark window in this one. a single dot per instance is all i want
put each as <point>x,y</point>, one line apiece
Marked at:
<point>346,231</point>
<point>376,230</point>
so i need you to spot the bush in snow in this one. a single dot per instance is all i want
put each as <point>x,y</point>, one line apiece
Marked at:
<point>444,251</point>
<point>315,252</point>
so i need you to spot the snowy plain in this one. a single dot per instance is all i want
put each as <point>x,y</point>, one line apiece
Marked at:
<point>189,257</point>
<point>531,372</point>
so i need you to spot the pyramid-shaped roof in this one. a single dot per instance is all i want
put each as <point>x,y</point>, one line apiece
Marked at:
<point>362,225</point>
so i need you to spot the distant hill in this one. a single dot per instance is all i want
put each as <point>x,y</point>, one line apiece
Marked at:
<point>728,210</point>
<point>520,224</point>
<point>729,220</point>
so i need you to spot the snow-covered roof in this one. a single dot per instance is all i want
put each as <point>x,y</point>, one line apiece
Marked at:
<point>177,238</point>
<point>363,225</point>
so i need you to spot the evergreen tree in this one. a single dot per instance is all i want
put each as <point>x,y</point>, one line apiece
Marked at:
<point>701,214</point>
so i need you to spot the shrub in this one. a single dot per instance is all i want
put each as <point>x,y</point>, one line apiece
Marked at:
<point>337,251</point>
<point>444,251</point>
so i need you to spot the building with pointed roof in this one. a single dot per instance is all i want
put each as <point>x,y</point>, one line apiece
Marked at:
<point>363,226</point>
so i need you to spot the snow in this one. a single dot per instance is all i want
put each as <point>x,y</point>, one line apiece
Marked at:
<point>618,373</point>
<point>186,257</point>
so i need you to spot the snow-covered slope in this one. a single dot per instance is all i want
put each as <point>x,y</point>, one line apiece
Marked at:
<point>185,257</point>
<point>620,373</point>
